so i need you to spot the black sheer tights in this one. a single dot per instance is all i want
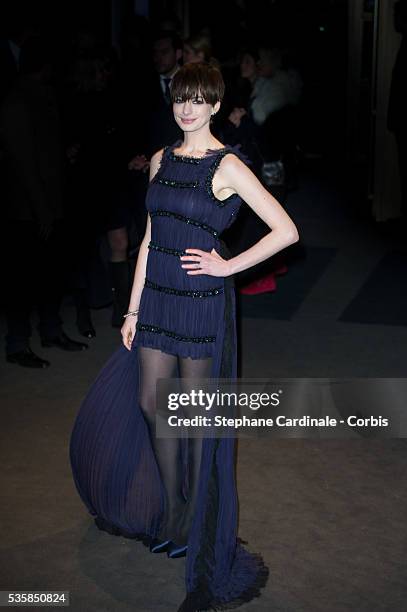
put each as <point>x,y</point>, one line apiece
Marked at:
<point>179,512</point>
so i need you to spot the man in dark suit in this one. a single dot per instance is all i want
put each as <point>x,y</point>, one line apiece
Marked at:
<point>34,211</point>
<point>155,126</point>
<point>156,119</point>
<point>397,108</point>
<point>163,129</point>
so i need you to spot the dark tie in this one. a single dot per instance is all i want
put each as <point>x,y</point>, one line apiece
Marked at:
<point>167,92</point>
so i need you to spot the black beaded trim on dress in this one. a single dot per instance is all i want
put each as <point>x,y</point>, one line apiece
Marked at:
<point>209,178</point>
<point>184,158</point>
<point>159,330</point>
<point>167,250</point>
<point>184,292</point>
<point>178,184</point>
<point>168,213</point>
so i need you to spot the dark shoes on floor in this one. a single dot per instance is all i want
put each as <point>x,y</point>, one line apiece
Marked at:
<point>27,359</point>
<point>159,546</point>
<point>173,550</point>
<point>63,342</point>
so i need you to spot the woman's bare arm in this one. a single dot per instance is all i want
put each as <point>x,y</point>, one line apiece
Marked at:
<point>234,176</point>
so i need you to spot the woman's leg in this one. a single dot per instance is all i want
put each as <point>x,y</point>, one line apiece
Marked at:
<point>155,364</point>
<point>191,368</point>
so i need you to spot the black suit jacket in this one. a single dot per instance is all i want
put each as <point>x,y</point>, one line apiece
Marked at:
<point>161,127</point>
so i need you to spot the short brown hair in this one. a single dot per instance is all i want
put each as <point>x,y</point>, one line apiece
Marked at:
<point>198,79</point>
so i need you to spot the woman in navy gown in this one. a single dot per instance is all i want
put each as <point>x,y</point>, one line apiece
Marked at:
<point>179,495</point>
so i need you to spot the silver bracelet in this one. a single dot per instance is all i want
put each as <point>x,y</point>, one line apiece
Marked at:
<point>130,313</point>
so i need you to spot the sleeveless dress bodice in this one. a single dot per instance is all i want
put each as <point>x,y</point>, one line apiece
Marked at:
<point>178,312</point>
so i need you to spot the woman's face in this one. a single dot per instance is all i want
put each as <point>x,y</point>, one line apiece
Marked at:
<point>189,55</point>
<point>248,68</point>
<point>193,114</point>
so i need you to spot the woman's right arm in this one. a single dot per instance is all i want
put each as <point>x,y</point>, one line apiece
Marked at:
<point>128,329</point>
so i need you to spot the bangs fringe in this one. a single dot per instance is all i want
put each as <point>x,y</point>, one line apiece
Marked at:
<point>198,79</point>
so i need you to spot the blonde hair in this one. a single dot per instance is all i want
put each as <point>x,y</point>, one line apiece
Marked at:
<point>201,43</point>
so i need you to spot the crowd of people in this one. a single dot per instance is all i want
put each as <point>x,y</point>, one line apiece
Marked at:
<point>77,132</point>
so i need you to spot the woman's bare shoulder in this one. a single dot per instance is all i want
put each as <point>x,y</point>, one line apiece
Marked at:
<point>157,156</point>
<point>155,162</point>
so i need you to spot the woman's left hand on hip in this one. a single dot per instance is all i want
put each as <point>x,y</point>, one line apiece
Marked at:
<point>205,262</point>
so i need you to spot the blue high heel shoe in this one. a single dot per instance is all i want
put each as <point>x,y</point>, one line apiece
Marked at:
<point>158,546</point>
<point>174,551</point>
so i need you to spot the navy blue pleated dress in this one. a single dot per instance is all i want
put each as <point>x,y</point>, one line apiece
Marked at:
<point>194,316</point>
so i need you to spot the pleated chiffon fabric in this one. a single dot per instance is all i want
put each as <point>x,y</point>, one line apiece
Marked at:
<point>113,463</point>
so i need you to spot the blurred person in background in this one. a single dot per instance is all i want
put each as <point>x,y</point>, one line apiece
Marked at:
<point>272,93</point>
<point>265,123</point>
<point>278,88</point>
<point>156,120</point>
<point>98,205</point>
<point>198,48</point>
<point>154,125</point>
<point>34,236</point>
<point>10,50</point>
<point>241,128</point>
<point>278,114</point>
